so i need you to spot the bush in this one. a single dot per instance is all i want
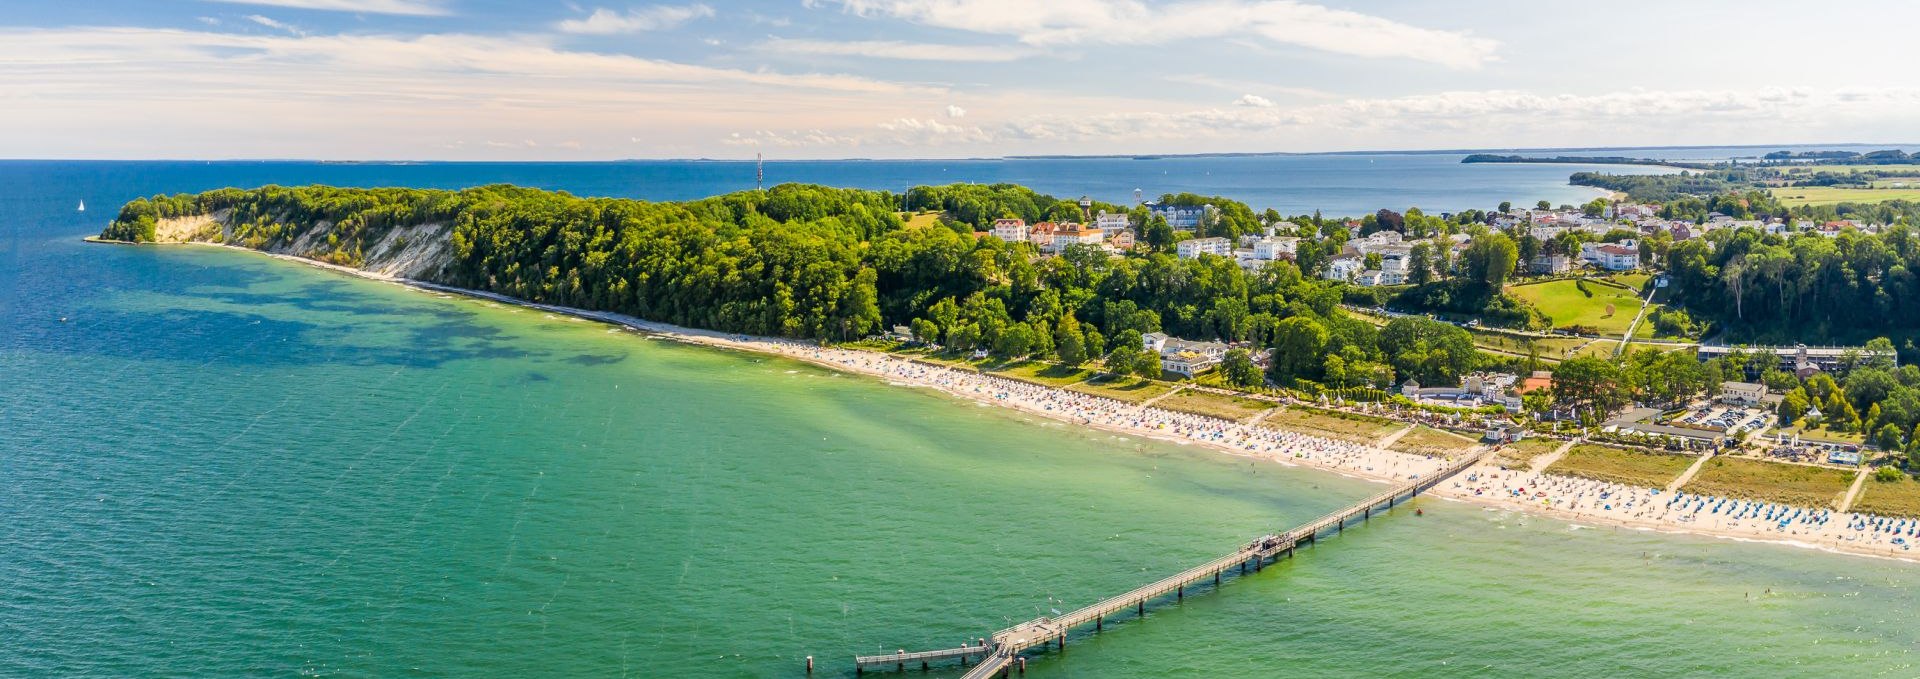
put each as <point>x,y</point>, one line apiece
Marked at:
<point>1887,474</point>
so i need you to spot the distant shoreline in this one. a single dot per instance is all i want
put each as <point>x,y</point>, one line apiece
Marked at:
<point>1143,154</point>
<point>810,353</point>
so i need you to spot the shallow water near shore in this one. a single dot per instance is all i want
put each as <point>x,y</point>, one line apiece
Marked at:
<point>220,464</point>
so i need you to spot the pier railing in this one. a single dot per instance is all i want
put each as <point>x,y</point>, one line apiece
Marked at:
<point>1002,650</point>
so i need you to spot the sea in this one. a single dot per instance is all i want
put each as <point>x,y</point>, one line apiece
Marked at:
<point>214,463</point>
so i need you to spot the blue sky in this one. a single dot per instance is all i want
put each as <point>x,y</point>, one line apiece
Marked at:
<point>603,79</point>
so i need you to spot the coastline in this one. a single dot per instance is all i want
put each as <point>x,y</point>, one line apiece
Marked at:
<point>1575,500</point>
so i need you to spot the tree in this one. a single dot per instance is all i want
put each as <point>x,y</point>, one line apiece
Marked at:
<point>1298,345</point>
<point>1428,350</point>
<point>1589,385</point>
<point>1159,235</point>
<point>1015,340</point>
<point>1095,344</point>
<point>1420,264</point>
<point>1543,205</point>
<point>1506,206</point>
<point>1240,370</point>
<point>1888,437</point>
<point>1793,406</point>
<point>1121,360</point>
<point>925,331</point>
<point>1488,261</point>
<point>1147,364</point>
<point>1068,342</point>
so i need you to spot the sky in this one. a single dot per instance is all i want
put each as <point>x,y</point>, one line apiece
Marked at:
<point>791,79</point>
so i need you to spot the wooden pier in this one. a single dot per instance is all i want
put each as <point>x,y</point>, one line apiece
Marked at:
<point>1002,651</point>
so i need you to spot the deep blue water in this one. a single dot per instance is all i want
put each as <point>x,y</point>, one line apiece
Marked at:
<point>1335,184</point>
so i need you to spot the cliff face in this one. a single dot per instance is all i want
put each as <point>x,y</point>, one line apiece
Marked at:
<point>418,251</point>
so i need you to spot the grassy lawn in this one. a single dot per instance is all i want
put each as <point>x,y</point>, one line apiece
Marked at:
<point>1793,484</point>
<point>1425,440</point>
<point>1620,465</point>
<point>1823,434</point>
<point>1796,196</point>
<point>1234,408</point>
<point>1636,280</point>
<point>1331,424</point>
<point>1129,389</point>
<point>1550,348</point>
<point>1563,301</point>
<point>1889,498</point>
<point>1520,454</point>
<point>920,220</point>
<point>1050,374</point>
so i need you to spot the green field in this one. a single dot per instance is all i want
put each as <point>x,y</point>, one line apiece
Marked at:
<point>919,220</point>
<point>1793,484</point>
<point>1050,374</point>
<point>1823,434</point>
<point>1331,424</point>
<point>1889,498</point>
<point>1796,196</point>
<point>1563,301</point>
<point>1234,408</point>
<point>1549,348</point>
<point>1520,454</point>
<point>1129,389</point>
<point>1620,465</point>
<point>1425,440</point>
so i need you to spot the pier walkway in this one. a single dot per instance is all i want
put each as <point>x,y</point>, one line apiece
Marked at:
<point>1002,651</point>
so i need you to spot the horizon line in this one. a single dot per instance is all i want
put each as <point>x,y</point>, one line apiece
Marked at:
<point>1129,156</point>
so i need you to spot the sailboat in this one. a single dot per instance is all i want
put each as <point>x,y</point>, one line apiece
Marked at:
<point>83,206</point>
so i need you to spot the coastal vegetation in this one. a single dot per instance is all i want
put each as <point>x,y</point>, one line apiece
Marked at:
<point>837,264</point>
<point>1333,424</point>
<point>1898,495</point>
<point>1521,454</point>
<point>1793,484</point>
<point>1611,464</point>
<point>1123,388</point>
<point>1236,408</point>
<point>1424,440</point>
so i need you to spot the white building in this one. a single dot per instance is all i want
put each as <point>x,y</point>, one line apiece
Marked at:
<point>1742,393</point>
<point>1111,222</point>
<point>1010,230</point>
<point>1621,257</point>
<point>1184,218</point>
<point>1275,247</point>
<point>1182,356</point>
<point>1074,234</point>
<point>1343,268</point>
<point>1551,264</point>
<point>1194,247</point>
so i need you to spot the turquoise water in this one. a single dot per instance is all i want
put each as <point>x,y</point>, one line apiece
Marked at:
<point>220,464</point>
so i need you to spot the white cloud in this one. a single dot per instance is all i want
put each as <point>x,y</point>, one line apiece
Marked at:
<point>638,20</point>
<point>402,7</point>
<point>955,111</point>
<point>1254,100</point>
<point>1483,119</point>
<point>196,94</point>
<point>1131,22</point>
<point>275,25</point>
<point>889,49</point>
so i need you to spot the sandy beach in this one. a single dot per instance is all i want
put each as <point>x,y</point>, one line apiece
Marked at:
<point>1578,500</point>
